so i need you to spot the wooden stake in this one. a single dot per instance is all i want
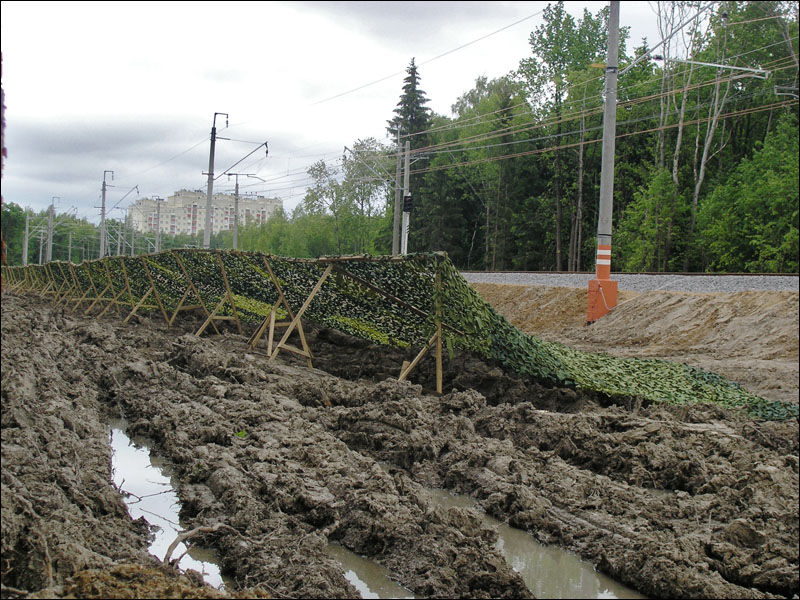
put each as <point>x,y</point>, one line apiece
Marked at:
<point>155,291</point>
<point>194,289</point>
<point>297,317</point>
<point>404,374</point>
<point>133,312</point>
<point>270,323</point>
<point>438,315</point>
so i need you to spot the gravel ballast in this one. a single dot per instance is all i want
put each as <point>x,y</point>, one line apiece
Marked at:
<point>647,283</point>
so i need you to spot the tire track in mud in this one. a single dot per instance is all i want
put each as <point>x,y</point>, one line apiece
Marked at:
<point>295,458</point>
<point>609,522</point>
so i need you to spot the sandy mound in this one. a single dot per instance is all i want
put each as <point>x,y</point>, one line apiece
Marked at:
<point>748,337</point>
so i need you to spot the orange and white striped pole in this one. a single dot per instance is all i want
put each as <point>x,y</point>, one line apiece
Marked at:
<point>602,295</point>
<point>602,290</point>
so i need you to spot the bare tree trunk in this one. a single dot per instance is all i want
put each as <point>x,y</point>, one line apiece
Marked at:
<point>486,239</point>
<point>579,208</point>
<point>714,112</point>
<point>559,209</point>
<point>496,220</point>
<point>666,25</point>
<point>677,154</point>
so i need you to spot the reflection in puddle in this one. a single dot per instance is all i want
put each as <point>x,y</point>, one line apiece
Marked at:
<point>368,577</point>
<point>548,571</point>
<point>149,493</point>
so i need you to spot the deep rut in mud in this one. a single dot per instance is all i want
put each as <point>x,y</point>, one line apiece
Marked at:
<point>674,502</point>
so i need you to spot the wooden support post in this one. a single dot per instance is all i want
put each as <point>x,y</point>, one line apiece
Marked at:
<point>178,307</point>
<point>408,367</point>
<point>110,283</point>
<point>438,309</point>
<point>86,292</point>
<point>437,339</point>
<point>269,322</point>
<point>212,317</point>
<point>155,291</point>
<point>113,302</point>
<point>97,299</point>
<point>127,281</point>
<point>70,286</point>
<point>98,295</point>
<point>50,282</point>
<point>193,288</point>
<point>228,292</point>
<point>133,312</point>
<point>296,321</point>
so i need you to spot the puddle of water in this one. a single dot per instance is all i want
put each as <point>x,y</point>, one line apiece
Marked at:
<point>368,577</point>
<point>548,571</point>
<point>153,497</point>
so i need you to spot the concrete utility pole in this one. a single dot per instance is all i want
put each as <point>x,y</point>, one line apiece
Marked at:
<point>49,254</point>
<point>406,200</point>
<point>397,206</point>
<point>236,207</point>
<point>158,222</point>
<point>69,248</point>
<point>103,216</point>
<point>210,191</point>
<point>25,242</point>
<point>602,295</point>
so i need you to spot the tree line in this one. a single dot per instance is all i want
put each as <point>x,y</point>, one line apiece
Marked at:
<point>706,166</point>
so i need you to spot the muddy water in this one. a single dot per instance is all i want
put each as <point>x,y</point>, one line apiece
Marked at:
<point>149,493</point>
<point>547,571</point>
<point>368,577</point>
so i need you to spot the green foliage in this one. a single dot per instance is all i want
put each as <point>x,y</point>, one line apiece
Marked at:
<point>411,115</point>
<point>646,225</point>
<point>750,222</point>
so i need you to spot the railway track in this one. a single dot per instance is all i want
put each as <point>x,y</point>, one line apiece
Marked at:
<point>647,282</point>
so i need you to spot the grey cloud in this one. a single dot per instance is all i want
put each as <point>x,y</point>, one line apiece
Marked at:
<point>420,22</point>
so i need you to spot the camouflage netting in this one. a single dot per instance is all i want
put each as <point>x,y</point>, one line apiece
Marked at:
<point>388,300</point>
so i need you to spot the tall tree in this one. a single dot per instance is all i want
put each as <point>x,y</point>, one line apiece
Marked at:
<point>412,117</point>
<point>545,75</point>
<point>411,122</point>
<point>559,46</point>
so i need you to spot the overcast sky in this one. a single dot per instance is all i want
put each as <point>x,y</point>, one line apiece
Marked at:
<point>132,87</point>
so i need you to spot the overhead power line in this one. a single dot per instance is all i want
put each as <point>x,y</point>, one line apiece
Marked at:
<point>587,142</point>
<point>430,60</point>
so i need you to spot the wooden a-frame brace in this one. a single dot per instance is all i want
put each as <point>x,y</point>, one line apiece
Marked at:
<point>436,339</point>
<point>282,345</point>
<point>72,288</point>
<point>83,297</point>
<point>152,290</point>
<point>51,274</point>
<point>189,289</point>
<point>98,296</point>
<point>270,323</point>
<point>68,290</point>
<point>227,297</point>
<point>50,282</point>
<point>126,287</point>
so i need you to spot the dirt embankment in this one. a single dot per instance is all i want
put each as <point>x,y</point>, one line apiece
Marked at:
<point>672,501</point>
<point>748,337</point>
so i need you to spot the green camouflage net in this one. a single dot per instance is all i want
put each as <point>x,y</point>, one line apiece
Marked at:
<point>391,301</point>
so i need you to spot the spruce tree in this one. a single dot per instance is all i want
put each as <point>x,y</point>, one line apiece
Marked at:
<point>411,115</point>
<point>411,122</point>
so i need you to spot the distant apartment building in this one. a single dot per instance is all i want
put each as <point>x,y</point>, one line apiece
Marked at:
<point>185,212</point>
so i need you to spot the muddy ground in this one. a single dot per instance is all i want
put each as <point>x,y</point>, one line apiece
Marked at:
<point>280,460</point>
